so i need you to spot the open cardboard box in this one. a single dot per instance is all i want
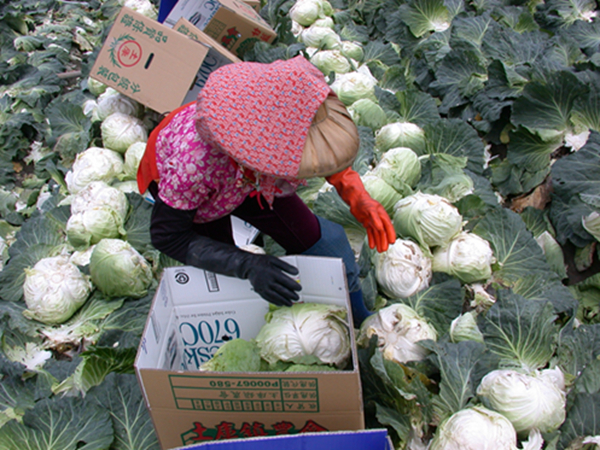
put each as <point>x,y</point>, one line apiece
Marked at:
<point>155,65</point>
<point>193,313</point>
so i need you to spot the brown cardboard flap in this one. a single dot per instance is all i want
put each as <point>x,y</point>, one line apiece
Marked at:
<point>266,392</point>
<point>186,27</point>
<point>194,428</point>
<point>148,61</point>
<point>246,10</point>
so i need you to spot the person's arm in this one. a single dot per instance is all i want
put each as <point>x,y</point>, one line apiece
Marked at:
<point>171,230</point>
<point>367,211</point>
<point>172,233</point>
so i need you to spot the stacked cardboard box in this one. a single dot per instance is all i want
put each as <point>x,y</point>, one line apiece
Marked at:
<point>217,56</point>
<point>232,23</point>
<point>164,67</point>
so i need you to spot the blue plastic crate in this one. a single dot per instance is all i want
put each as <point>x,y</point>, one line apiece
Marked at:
<point>375,439</point>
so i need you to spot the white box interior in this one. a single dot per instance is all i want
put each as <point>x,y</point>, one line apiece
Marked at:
<point>195,312</point>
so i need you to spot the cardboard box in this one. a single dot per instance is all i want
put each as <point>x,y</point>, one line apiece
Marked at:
<point>150,62</point>
<point>217,56</point>
<point>193,313</point>
<point>232,23</point>
<point>165,7</point>
<point>374,439</point>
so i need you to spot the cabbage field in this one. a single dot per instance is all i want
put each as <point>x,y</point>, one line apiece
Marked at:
<point>480,135</point>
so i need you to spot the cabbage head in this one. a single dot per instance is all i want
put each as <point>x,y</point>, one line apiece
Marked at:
<point>400,168</point>
<point>402,270</point>
<point>306,333</point>
<point>97,212</point>
<point>379,190</point>
<point>467,256</point>
<point>352,86</point>
<point>306,12</point>
<point>120,130</point>
<point>398,328</point>
<point>133,156</point>
<point>464,328</point>
<point>453,186</point>
<point>111,101</point>
<point>93,164</point>
<point>144,7</point>
<point>297,29</point>
<point>446,176</point>
<point>591,224</point>
<point>326,8</point>
<point>365,112</point>
<point>118,270</point>
<point>529,401</point>
<point>592,440</point>
<point>321,37</point>
<point>429,219</point>
<point>353,50</point>
<point>89,227</point>
<point>236,355</point>
<point>54,289</point>
<point>326,22</point>
<point>575,140</point>
<point>475,428</point>
<point>97,194</point>
<point>553,252</point>
<point>401,134</point>
<point>96,87</point>
<point>328,61</point>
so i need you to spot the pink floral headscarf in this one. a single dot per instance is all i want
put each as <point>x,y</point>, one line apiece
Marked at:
<point>259,115</point>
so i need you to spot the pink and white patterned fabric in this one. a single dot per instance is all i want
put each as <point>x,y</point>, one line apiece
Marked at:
<point>259,114</point>
<point>194,175</point>
<point>245,133</point>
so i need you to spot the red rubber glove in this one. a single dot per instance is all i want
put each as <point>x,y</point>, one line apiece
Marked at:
<point>367,211</point>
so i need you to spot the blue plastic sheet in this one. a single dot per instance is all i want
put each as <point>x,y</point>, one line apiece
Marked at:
<point>341,440</point>
<point>164,8</point>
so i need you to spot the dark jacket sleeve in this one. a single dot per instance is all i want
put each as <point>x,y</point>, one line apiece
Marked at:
<point>171,230</point>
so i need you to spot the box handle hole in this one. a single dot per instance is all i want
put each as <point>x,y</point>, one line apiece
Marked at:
<point>149,61</point>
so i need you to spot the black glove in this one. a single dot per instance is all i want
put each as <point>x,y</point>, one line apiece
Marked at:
<point>265,272</point>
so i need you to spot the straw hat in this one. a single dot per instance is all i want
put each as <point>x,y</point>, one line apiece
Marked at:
<point>332,141</point>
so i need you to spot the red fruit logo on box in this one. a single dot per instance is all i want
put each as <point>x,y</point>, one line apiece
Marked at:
<point>230,38</point>
<point>125,51</point>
